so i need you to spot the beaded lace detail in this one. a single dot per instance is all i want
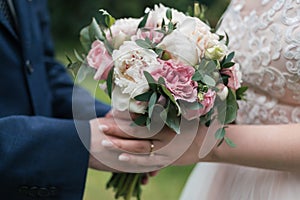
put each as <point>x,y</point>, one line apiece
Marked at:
<point>267,46</point>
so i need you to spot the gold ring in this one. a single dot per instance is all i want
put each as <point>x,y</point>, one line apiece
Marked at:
<point>151,153</point>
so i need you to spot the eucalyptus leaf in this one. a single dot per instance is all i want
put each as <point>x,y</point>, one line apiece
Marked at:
<point>151,104</point>
<point>231,108</point>
<point>197,76</point>
<point>220,133</point>
<point>159,51</point>
<point>171,27</point>
<point>144,44</point>
<point>229,142</point>
<point>208,80</point>
<point>108,46</point>
<point>85,39</point>
<point>95,31</point>
<point>78,57</point>
<point>169,14</point>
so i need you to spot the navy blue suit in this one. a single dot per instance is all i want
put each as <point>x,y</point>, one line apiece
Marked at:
<point>41,154</point>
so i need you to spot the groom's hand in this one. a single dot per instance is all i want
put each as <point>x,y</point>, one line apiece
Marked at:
<point>105,150</point>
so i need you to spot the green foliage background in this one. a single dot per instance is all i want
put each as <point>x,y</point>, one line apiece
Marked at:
<point>67,18</point>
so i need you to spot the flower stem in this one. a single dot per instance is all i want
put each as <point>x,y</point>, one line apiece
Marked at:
<point>132,186</point>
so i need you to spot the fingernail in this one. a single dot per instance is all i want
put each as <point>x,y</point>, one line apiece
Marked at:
<point>103,127</point>
<point>107,143</point>
<point>123,158</point>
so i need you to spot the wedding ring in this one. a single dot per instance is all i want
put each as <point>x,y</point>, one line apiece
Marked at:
<point>151,153</point>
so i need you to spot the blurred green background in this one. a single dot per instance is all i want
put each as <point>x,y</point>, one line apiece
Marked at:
<point>67,18</point>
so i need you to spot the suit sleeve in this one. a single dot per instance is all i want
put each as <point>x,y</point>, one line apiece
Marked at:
<point>43,152</point>
<point>39,152</point>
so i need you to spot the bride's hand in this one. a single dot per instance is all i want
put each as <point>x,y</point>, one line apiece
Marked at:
<point>156,151</point>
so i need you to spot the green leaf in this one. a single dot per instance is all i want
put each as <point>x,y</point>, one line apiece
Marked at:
<point>229,142</point>
<point>109,82</point>
<point>220,133</point>
<point>209,81</point>
<point>195,106</point>
<point>197,76</point>
<point>144,97</point>
<point>143,21</point>
<point>230,57</point>
<point>218,25</point>
<point>151,104</point>
<point>241,93</point>
<point>109,20</point>
<point>143,43</point>
<point>231,108</point>
<point>228,64</point>
<point>78,57</point>
<point>108,46</point>
<point>151,81</point>
<point>159,51</point>
<point>169,14</point>
<point>140,120</point>
<point>171,27</point>
<point>173,121</point>
<point>227,39</point>
<point>85,39</point>
<point>161,81</point>
<point>95,31</point>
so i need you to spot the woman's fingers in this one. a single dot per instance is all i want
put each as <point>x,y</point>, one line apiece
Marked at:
<point>127,145</point>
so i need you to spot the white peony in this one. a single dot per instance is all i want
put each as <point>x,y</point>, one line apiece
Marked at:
<point>180,48</point>
<point>130,62</point>
<point>157,15</point>
<point>122,30</point>
<point>199,33</point>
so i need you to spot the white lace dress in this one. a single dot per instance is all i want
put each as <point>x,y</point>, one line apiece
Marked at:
<point>265,34</point>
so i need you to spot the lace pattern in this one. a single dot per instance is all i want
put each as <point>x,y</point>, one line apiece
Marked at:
<point>267,46</point>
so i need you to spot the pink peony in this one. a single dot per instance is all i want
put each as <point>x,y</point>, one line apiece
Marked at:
<point>100,59</point>
<point>235,76</point>
<point>152,34</point>
<point>178,78</point>
<point>207,103</point>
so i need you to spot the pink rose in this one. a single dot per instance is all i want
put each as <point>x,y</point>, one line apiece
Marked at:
<point>100,59</point>
<point>207,103</point>
<point>178,78</point>
<point>235,76</point>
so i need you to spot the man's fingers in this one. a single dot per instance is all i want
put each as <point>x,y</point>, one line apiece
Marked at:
<point>153,163</point>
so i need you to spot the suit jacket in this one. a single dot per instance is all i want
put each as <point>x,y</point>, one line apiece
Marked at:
<point>42,155</point>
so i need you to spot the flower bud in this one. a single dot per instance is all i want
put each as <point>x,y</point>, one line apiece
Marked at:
<point>223,91</point>
<point>216,52</point>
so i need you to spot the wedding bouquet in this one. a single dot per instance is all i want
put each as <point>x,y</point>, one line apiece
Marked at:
<point>168,59</point>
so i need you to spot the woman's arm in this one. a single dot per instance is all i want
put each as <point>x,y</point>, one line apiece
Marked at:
<point>265,146</point>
